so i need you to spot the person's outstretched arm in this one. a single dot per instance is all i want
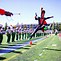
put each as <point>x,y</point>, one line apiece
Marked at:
<point>49,17</point>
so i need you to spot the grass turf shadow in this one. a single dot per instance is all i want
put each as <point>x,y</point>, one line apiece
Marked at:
<point>17,52</point>
<point>33,44</point>
<point>2,58</point>
<point>26,48</point>
<point>52,49</point>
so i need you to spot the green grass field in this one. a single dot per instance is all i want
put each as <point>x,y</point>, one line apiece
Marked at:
<point>48,49</point>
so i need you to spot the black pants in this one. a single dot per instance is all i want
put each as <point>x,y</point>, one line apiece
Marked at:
<point>38,28</point>
<point>1,38</point>
<point>16,36</point>
<point>8,38</point>
<point>13,37</point>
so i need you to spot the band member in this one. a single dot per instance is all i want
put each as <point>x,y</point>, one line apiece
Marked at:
<point>13,34</point>
<point>17,33</point>
<point>8,34</point>
<point>1,34</point>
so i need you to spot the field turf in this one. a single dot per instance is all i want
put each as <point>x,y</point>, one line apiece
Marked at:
<point>48,49</point>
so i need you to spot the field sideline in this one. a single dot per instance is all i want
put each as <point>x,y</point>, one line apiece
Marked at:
<point>48,49</point>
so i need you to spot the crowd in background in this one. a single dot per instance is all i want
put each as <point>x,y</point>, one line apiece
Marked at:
<point>12,33</point>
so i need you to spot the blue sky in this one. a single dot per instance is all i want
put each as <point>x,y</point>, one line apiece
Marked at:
<point>27,8</point>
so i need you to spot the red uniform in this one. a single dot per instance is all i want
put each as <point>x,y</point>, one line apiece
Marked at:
<point>41,21</point>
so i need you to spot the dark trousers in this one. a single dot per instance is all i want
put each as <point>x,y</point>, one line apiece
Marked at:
<point>38,28</point>
<point>1,38</point>
<point>13,37</point>
<point>8,38</point>
<point>17,36</point>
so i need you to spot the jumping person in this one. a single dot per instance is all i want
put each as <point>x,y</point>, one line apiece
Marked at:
<point>41,21</point>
